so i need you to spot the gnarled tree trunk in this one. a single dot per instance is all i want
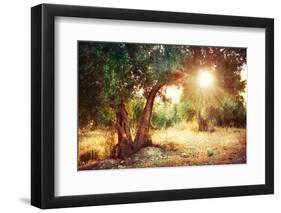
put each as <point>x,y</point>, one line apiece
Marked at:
<point>142,138</point>
<point>126,146</point>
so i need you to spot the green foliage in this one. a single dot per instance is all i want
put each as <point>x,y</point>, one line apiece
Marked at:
<point>113,73</point>
<point>185,110</point>
<point>167,115</point>
<point>135,110</point>
<point>162,116</point>
<point>105,117</point>
<point>231,114</point>
<point>234,113</point>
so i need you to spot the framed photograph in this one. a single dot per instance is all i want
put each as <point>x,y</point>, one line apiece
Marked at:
<point>139,106</point>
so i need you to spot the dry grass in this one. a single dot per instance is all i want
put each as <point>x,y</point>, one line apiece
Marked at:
<point>95,145</point>
<point>176,146</point>
<point>224,146</point>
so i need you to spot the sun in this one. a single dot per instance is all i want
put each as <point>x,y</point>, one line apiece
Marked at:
<point>205,79</point>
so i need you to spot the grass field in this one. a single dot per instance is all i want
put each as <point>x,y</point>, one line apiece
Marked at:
<point>176,146</point>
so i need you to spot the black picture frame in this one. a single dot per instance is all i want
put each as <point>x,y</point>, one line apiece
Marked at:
<point>43,110</point>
